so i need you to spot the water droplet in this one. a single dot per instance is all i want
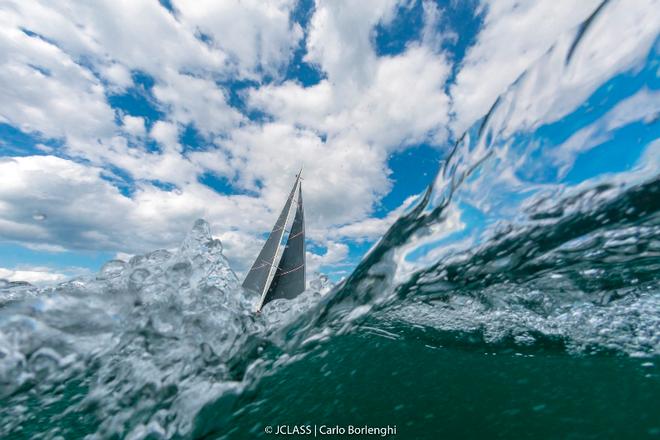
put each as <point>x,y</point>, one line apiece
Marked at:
<point>137,277</point>
<point>111,269</point>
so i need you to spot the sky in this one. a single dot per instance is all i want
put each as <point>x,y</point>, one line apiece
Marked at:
<point>122,122</point>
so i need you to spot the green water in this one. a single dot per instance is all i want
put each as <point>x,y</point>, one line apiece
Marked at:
<point>433,393</point>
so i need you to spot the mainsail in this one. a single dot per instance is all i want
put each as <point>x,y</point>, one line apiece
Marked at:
<point>279,271</point>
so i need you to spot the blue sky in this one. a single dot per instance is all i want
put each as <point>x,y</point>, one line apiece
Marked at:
<point>123,122</point>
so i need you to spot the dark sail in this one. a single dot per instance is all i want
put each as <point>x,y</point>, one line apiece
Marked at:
<point>289,279</point>
<point>258,275</point>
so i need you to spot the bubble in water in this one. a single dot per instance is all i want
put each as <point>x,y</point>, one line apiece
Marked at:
<point>137,278</point>
<point>111,269</point>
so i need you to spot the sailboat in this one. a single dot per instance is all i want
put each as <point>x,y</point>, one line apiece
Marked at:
<point>279,270</point>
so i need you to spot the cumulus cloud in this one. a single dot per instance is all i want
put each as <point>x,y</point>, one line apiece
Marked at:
<point>33,275</point>
<point>372,228</point>
<point>46,199</point>
<point>107,184</point>
<point>255,35</point>
<point>43,90</point>
<point>346,126</point>
<point>50,201</point>
<point>63,60</point>
<point>341,180</point>
<point>615,41</point>
<point>134,125</point>
<point>197,101</point>
<point>339,39</point>
<point>642,106</point>
<point>334,255</point>
<point>137,34</point>
<point>513,36</point>
<point>402,103</point>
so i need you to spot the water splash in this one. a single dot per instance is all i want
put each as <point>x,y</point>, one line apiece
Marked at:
<point>140,347</point>
<point>544,217</point>
<point>541,231</point>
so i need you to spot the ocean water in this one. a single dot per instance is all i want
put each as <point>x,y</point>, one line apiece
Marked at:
<point>519,297</point>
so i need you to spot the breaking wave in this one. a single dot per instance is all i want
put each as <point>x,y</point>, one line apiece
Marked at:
<point>540,232</point>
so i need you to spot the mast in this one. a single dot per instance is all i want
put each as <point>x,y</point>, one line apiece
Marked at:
<point>266,270</point>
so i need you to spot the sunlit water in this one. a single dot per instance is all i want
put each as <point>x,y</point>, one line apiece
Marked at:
<point>519,297</point>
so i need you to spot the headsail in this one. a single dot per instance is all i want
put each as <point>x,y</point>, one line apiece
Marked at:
<point>289,279</point>
<point>276,274</point>
<point>258,275</point>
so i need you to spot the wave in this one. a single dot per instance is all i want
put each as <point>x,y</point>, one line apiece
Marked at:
<point>540,231</point>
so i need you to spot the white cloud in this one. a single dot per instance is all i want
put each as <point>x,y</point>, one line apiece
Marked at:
<point>44,246</point>
<point>345,126</point>
<point>256,35</point>
<point>123,256</point>
<point>339,40</point>
<point>432,18</point>
<point>168,165</point>
<point>134,125</point>
<point>54,202</point>
<point>641,106</point>
<point>342,130</point>
<point>71,201</point>
<point>197,100</point>
<point>77,209</point>
<point>167,134</point>
<point>618,40</point>
<point>335,253</point>
<point>384,102</point>
<point>341,179</point>
<point>403,102</point>
<point>32,276</point>
<point>137,34</point>
<point>55,71</point>
<point>118,76</point>
<point>513,36</point>
<point>249,37</point>
<point>43,90</point>
<point>372,228</point>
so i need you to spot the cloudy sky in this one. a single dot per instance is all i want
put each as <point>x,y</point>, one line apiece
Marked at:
<point>121,122</point>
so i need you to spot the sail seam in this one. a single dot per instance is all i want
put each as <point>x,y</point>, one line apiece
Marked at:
<point>271,272</point>
<point>292,270</point>
<point>296,235</point>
